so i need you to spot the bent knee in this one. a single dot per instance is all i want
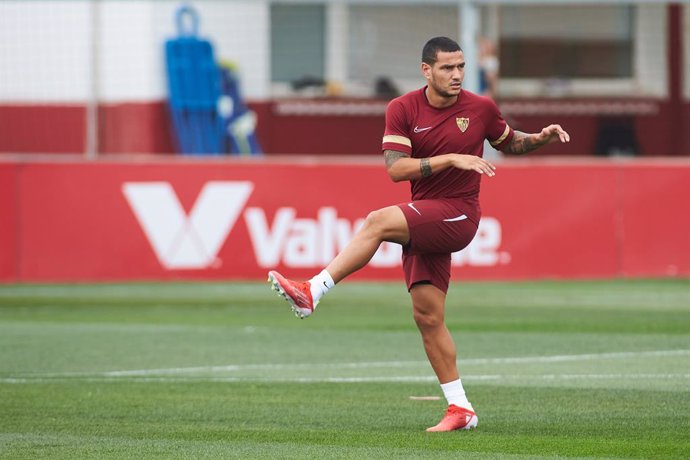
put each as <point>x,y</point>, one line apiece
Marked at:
<point>387,224</point>
<point>380,219</point>
<point>374,218</point>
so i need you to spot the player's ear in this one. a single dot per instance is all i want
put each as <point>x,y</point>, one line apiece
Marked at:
<point>426,70</point>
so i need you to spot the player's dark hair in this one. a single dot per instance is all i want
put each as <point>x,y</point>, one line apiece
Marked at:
<point>436,44</point>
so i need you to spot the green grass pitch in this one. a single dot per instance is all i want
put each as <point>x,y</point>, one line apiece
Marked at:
<point>215,370</point>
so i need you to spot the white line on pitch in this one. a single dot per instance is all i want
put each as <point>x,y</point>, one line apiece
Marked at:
<point>387,364</point>
<point>391,379</point>
<point>365,365</point>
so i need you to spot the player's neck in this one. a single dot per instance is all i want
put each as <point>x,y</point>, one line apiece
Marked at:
<point>438,101</point>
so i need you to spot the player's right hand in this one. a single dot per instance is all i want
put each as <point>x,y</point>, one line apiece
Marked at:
<point>474,163</point>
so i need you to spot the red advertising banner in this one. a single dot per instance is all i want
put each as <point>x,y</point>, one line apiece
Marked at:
<point>655,214</point>
<point>554,221</point>
<point>235,220</point>
<point>199,221</point>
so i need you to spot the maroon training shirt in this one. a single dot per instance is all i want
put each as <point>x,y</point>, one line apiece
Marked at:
<point>416,128</point>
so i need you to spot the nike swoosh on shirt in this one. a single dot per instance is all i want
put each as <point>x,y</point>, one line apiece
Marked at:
<point>415,209</point>
<point>417,129</point>
<point>455,219</point>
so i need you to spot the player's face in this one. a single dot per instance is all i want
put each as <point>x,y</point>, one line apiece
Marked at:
<point>446,75</point>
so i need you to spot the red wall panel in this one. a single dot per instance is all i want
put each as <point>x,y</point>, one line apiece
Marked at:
<point>354,129</point>
<point>42,128</point>
<point>8,221</point>
<point>135,127</point>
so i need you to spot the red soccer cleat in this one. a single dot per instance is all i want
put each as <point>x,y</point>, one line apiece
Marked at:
<point>297,294</point>
<point>456,418</point>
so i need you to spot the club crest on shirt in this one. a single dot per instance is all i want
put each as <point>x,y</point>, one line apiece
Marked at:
<point>463,123</point>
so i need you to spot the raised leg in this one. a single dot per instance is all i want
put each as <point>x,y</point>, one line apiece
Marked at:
<point>387,224</point>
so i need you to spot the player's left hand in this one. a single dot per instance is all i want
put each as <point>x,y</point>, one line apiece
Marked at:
<point>553,133</point>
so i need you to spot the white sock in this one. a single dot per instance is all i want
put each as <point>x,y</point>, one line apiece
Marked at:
<point>321,284</point>
<point>455,394</point>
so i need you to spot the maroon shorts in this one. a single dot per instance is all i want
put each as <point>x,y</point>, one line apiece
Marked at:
<point>437,229</point>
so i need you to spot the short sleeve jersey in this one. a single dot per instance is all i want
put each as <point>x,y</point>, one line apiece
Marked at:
<point>420,130</point>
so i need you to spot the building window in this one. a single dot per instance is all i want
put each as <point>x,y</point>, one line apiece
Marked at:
<point>387,41</point>
<point>566,41</point>
<point>297,42</point>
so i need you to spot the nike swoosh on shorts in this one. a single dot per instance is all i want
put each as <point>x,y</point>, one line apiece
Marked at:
<point>456,219</point>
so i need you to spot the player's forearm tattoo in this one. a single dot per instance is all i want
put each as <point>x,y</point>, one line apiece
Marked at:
<point>425,167</point>
<point>522,143</point>
<point>391,156</point>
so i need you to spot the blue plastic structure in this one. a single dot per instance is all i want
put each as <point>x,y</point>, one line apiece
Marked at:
<point>194,84</point>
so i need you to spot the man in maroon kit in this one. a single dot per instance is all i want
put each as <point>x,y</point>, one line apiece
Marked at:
<point>434,139</point>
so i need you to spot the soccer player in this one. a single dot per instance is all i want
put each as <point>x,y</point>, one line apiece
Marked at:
<point>433,138</point>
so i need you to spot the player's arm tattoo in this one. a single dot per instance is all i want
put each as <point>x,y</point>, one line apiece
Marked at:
<point>391,156</point>
<point>522,143</point>
<point>425,167</point>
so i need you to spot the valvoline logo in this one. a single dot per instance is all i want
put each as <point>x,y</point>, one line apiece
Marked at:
<point>193,241</point>
<point>183,241</point>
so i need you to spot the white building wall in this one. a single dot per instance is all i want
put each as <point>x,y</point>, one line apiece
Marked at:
<point>46,49</point>
<point>130,59</point>
<point>46,53</point>
<point>686,50</point>
<point>651,59</point>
